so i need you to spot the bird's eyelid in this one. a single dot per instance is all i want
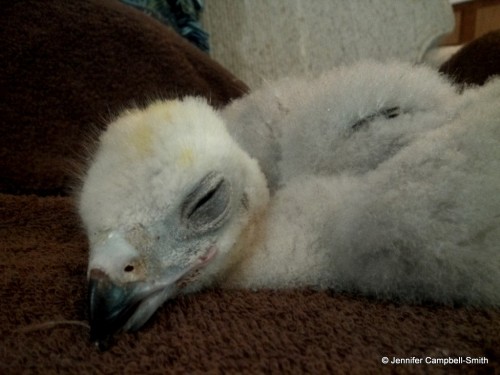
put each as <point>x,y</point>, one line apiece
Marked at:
<point>208,203</point>
<point>205,198</point>
<point>208,183</point>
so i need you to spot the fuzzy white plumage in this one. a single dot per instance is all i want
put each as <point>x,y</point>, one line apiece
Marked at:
<point>378,179</point>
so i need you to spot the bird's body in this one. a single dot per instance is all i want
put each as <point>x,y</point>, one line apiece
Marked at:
<point>398,197</point>
<point>374,179</point>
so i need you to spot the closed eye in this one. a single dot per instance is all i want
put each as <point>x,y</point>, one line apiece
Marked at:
<point>206,198</point>
<point>208,204</point>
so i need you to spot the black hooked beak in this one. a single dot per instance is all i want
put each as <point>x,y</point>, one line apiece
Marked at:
<point>110,307</point>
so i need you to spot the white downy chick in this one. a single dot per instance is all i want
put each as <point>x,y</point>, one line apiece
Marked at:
<point>377,179</point>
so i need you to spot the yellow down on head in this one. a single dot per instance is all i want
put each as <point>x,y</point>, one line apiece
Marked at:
<point>186,157</point>
<point>142,133</point>
<point>141,138</point>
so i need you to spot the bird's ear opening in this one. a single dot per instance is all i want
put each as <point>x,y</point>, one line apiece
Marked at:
<point>208,204</point>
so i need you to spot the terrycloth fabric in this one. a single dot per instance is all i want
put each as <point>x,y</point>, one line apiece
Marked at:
<point>43,251</point>
<point>43,256</point>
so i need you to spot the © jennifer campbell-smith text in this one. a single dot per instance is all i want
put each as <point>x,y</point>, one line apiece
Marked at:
<point>436,361</point>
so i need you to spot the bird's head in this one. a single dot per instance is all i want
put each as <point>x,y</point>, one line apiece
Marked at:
<point>165,202</point>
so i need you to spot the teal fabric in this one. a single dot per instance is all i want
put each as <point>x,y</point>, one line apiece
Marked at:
<point>182,15</point>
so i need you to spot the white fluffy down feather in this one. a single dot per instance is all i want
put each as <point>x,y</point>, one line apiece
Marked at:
<point>378,179</point>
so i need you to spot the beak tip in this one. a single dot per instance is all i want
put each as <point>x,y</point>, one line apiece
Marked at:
<point>102,343</point>
<point>110,307</point>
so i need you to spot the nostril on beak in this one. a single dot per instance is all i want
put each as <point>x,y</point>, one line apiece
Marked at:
<point>133,270</point>
<point>129,268</point>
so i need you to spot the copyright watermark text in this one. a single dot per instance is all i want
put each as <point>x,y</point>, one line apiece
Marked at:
<point>434,361</point>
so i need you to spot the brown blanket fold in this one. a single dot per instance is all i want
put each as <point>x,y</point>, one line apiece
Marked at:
<point>66,66</point>
<point>70,65</point>
<point>476,62</point>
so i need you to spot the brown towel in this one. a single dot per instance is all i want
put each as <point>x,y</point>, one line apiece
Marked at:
<point>43,266</point>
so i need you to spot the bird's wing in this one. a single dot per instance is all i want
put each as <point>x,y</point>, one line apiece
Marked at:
<point>341,121</point>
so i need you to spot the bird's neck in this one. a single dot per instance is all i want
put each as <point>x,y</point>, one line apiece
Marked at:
<point>250,242</point>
